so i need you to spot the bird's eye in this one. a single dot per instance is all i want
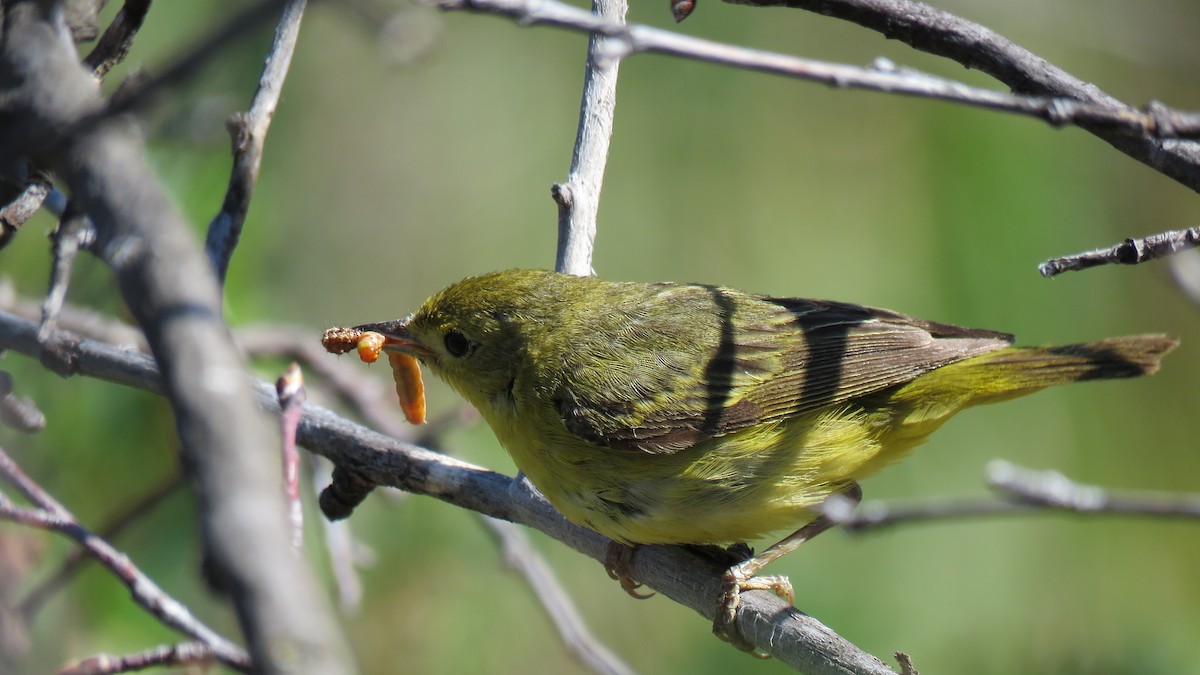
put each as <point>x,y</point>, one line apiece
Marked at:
<point>456,343</point>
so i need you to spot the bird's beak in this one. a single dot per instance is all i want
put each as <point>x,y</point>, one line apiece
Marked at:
<point>397,338</point>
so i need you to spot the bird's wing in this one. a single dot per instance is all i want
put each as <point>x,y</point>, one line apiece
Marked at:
<point>662,383</point>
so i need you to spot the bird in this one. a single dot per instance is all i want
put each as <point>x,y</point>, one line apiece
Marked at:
<point>694,414</point>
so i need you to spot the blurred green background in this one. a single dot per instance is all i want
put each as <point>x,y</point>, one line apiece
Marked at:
<point>407,155</point>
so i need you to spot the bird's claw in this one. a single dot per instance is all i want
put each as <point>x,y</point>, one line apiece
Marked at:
<point>733,583</point>
<point>616,564</point>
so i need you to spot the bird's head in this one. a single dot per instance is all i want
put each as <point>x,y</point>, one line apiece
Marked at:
<point>477,334</point>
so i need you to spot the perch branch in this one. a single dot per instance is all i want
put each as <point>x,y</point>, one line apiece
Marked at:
<point>687,577</point>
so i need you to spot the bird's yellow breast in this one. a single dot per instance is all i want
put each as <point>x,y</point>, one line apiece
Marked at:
<point>733,488</point>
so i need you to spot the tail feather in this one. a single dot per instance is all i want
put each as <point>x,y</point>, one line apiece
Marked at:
<point>1016,371</point>
<point>918,408</point>
<point>1037,367</point>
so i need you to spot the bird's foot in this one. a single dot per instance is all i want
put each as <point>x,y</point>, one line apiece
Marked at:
<point>616,563</point>
<point>736,580</point>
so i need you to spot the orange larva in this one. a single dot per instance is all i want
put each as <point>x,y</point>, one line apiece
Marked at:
<point>369,346</point>
<point>409,387</point>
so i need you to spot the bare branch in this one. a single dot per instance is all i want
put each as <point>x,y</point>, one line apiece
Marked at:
<point>579,198</point>
<point>1054,490</point>
<point>345,554</point>
<point>51,515</point>
<point>939,32</point>
<point>290,389</point>
<point>76,319</point>
<point>185,654</point>
<point>522,558</point>
<point>685,576</point>
<point>18,412</point>
<point>1128,252</point>
<point>27,134</point>
<point>168,285</point>
<point>876,515</point>
<point>1105,114</point>
<point>74,562</point>
<point>114,45</point>
<point>14,214</point>
<point>249,132</point>
<point>1024,491</point>
<point>73,232</point>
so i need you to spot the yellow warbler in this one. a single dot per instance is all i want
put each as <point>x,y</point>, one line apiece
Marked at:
<point>670,413</point>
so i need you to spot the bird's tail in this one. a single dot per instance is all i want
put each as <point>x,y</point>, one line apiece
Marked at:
<point>918,408</point>
<point>1015,371</point>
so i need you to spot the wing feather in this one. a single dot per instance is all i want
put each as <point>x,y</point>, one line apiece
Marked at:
<point>686,363</point>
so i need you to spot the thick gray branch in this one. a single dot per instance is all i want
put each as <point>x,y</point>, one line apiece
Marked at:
<point>169,287</point>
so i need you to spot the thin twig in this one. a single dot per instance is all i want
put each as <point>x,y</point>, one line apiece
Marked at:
<point>578,198</point>
<point>81,320</point>
<point>76,559</point>
<point>249,132</point>
<point>345,552</point>
<point>1054,490</point>
<point>290,389</point>
<point>1022,491</point>
<point>51,515</point>
<point>14,214</point>
<point>184,654</point>
<point>906,664</point>
<point>17,141</point>
<point>73,233</point>
<point>877,515</point>
<point>635,38</point>
<point>522,558</point>
<point>18,412</point>
<point>520,555</point>
<point>114,45</point>
<point>1128,252</point>
<point>941,33</point>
